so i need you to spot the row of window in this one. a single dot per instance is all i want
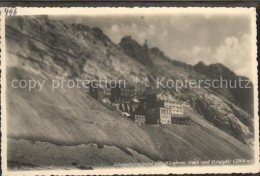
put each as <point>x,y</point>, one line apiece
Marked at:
<point>166,118</point>
<point>165,111</point>
<point>139,117</point>
<point>174,110</point>
<point>165,121</point>
<point>170,111</point>
<point>169,106</point>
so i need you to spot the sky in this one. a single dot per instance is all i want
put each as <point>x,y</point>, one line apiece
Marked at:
<point>186,37</point>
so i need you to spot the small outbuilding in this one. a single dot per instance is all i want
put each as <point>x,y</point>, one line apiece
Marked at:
<point>180,120</point>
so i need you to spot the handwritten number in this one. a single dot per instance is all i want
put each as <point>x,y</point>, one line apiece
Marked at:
<point>6,12</point>
<point>15,12</point>
<point>10,12</point>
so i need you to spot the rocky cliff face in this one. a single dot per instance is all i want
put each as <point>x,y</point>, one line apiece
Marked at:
<point>40,48</point>
<point>241,96</point>
<point>228,109</point>
<point>135,51</point>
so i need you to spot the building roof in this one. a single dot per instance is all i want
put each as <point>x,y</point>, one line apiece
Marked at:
<point>126,114</point>
<point>135,100</point>
<point>165,96</point>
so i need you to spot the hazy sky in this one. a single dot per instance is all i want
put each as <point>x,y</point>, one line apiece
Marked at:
<point>188,38</point>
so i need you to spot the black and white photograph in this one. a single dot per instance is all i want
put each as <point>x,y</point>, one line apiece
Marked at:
<point>160,90</point>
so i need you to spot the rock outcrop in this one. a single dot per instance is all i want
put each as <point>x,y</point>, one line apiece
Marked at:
<point>241,95</point>
<point>136,51</point>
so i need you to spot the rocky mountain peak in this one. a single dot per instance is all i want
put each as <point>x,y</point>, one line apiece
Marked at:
<point>98,33</point>
<point>200,65</point>
<point>80,27</point>
<point>156,51</point>
<point>135,50</point>
<point>214,70</point>
<point>242,97</point>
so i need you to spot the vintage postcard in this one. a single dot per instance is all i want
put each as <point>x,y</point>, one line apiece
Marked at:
<point>129,91</point>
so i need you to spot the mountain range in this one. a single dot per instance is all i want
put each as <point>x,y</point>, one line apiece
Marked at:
<point>221,125</point>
